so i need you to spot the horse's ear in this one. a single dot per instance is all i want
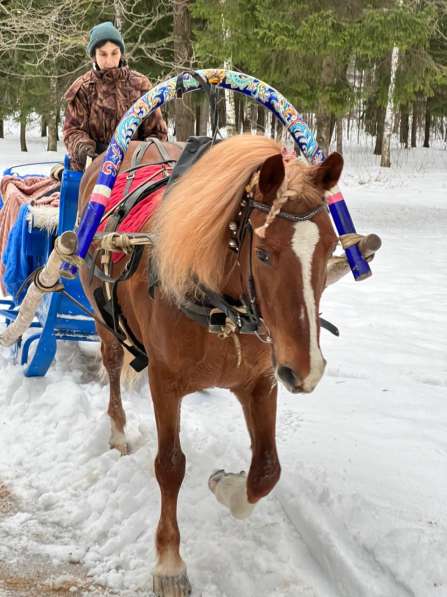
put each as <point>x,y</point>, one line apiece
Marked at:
<point>271,175</point>
<point>326,175</point>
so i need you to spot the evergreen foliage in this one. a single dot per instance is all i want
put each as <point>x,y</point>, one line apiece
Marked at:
<point>330,58</point>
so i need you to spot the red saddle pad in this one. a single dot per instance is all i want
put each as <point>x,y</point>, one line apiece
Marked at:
<point>143,210</point>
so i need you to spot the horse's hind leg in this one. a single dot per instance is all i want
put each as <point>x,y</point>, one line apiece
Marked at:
<point>237,491</point>
<point>112,356</point>
<point>169,575</point>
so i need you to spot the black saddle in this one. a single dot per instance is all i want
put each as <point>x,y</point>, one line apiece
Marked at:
<point>195,148</point>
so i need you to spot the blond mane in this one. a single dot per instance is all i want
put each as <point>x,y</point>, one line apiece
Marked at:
<point>192,223</point>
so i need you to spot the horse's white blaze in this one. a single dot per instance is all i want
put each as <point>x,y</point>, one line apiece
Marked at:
<point>304,241</point>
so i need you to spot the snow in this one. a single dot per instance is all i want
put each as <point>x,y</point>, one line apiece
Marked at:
<point>360,510</point>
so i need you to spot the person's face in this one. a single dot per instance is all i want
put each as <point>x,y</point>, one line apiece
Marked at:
<point>108,56</point>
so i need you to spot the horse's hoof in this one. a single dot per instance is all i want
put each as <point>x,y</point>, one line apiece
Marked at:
<point>219,475</point>
<point>171,586</point>
<point>215,478</point>
<point>123,449</point>
<point>230,489</point>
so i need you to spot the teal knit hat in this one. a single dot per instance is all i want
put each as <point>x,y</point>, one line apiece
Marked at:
<point>102,33</point>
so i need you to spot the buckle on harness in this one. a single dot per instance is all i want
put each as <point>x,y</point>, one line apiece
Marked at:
<point>221,325</point>
<point>216,322</point>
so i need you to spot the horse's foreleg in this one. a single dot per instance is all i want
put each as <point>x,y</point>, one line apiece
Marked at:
<point>169,575</point>
<point>112,356</point>
<point>237,491</point>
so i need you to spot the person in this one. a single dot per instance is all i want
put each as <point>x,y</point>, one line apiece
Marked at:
<point>98,99</point>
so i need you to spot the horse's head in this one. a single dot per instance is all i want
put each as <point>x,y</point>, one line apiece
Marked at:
<point>289,260</point>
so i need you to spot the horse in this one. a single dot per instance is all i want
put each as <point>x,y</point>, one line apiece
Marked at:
<point>245,225</point>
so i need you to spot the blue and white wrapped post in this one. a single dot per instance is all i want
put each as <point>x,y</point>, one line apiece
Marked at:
<point>259,91</point>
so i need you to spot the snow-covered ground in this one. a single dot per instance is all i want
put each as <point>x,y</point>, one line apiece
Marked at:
<point>360,510</point>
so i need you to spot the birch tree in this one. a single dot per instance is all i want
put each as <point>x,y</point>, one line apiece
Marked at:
<point>385,160</point>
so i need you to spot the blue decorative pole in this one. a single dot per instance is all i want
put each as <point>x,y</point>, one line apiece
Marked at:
<point>226,79</point>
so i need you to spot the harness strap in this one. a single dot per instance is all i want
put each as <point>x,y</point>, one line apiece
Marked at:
<point>161,149</point>
<point>285,215</point>
<point>120,211</point>
<point>106,296</point>
<point>136,349</point>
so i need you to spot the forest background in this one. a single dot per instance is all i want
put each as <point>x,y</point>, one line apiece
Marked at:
<point>350,67</point>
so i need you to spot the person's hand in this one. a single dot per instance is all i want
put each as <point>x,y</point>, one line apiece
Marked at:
<point>83,152</point>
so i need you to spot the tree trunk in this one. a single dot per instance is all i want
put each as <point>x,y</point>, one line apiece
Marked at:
<point>204,115</point>
<point>324,131</point>
<point>273,124</point>
<point>231,123</point>
<point>404,126</point>
<point>2,129</point>
<point>184,114</point>
<point>52,116</point>
<point>43,126</point>
<point>222,109</point>
<point>279,136</point>
<point>260,121</point>
<point>238,112</point>
<point>379,131</point>
<point>253,116</point>
<point>23,146</point>
<point>360,110</point>
<point>247,116</point>
<point>324,117</point>
<point>385,161</point>
<point>427,124</point>
<point>339,133</point>
<point>414,126</point>
<point>118,9</point>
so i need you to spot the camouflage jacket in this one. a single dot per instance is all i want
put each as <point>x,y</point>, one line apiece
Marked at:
<point>96,101</point>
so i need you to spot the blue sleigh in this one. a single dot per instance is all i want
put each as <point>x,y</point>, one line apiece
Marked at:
<point>58,317</point>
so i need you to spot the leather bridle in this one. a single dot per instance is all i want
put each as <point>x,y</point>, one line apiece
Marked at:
<point>243,229</point>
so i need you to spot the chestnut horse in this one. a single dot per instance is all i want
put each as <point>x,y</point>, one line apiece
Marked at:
<point>280,263</point>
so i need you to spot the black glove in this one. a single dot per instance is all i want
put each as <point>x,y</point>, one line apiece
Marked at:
<point>83,152</point>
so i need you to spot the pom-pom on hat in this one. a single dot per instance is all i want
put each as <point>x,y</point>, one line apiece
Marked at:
<point>102,33</point>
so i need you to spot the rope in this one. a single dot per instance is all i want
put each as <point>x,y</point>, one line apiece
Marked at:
<point>118,241</point>
<point>228,330</point>
<point>350,239</point>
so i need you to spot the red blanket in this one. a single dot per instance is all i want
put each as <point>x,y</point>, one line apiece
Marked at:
<point>16,191</point>
<point>143,210</point>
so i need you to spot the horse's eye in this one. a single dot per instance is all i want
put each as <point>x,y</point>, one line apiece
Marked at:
<point>263,255</point>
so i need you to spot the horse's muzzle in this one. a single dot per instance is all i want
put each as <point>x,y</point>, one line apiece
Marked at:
<point>294,383</point>
<point>289,378</point>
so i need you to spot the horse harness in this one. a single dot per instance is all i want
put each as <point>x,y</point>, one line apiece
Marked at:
<point>106,296</point>
<point>222,315</point>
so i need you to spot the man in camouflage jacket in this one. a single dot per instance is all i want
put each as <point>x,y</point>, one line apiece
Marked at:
<point>97,100</point>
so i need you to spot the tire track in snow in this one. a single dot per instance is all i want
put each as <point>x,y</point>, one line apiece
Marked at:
<point>351,569</point>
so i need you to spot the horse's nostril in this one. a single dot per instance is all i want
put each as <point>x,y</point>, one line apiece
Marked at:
<point>287,376</point>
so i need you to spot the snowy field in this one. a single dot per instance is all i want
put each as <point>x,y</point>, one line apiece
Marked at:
<point>360,510</point>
